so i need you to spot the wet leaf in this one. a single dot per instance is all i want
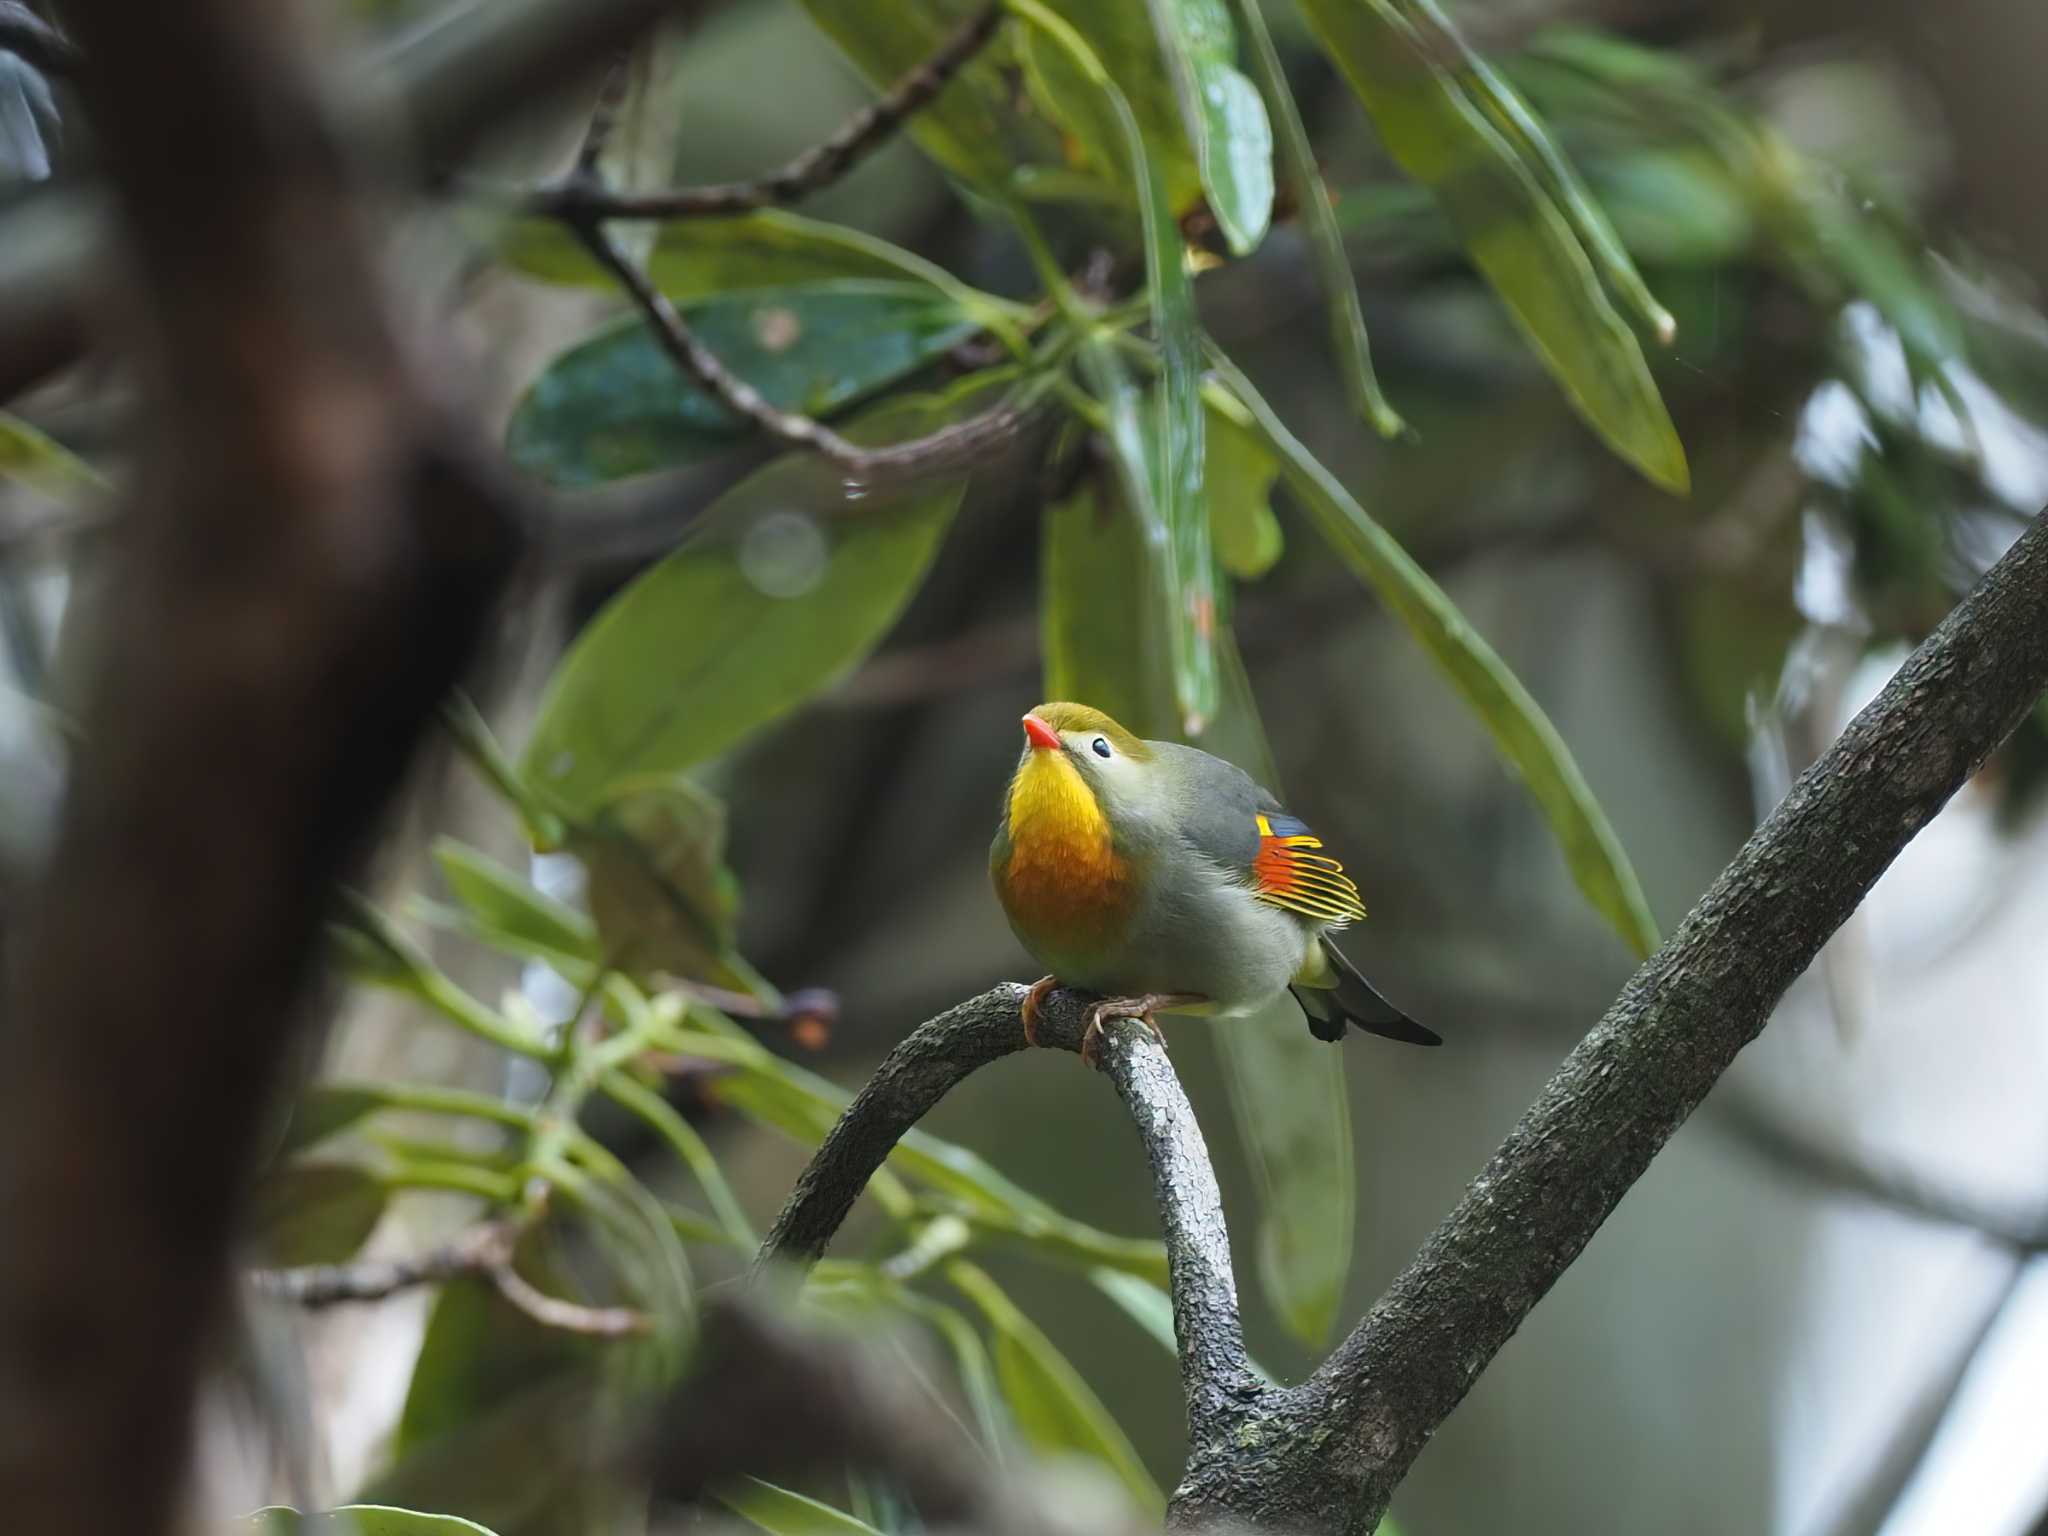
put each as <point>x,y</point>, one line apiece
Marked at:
<point>1222,114</point>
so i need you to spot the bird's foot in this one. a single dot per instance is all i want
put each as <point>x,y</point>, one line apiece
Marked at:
<point>1139,1008</point>
<point>1033,1001</point>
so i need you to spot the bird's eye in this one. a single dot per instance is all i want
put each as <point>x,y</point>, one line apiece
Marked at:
<point>1099,747</point>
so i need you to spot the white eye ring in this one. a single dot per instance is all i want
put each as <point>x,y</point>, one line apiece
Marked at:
<point>1099,747</point>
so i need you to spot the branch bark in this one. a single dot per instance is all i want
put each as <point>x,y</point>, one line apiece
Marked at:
<point>1327,1455</point>
<point>1216,1374</point>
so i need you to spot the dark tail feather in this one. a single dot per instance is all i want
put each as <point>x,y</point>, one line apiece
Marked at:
<point>1354,1001</point>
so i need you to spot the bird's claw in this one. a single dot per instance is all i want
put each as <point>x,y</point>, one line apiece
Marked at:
<point>1027,1010</point>
<point>1116,1008</point>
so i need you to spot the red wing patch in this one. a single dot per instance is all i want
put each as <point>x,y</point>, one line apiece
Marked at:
<point>1289,872</point>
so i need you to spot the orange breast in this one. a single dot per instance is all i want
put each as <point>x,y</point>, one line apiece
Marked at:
<point>1064,884</point>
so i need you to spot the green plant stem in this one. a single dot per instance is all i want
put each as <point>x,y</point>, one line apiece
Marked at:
<point>662,1118</point>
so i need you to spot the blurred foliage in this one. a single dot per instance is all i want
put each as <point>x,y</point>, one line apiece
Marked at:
<point>1731,310</point>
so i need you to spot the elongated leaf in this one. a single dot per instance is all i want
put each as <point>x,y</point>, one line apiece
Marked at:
<point>34,459</point>
<point>1221,111</point>
<point>365,1520</point>
<point>509,909</point>
<point>1054,1408</point>
<point>780,1512</point>
<point>1522,733</point>
<point>697,259</point>
<point>1521,127</point>
<point>315,1213</point>
<point>1319,225</point>
<point>787,585</point>
<point>324,1110</point>
<point>1159,449</point>
<point>1147,1305</point>
<point>1239,483</point>
<point>1515,233</point>
<point>616,405</point>
<point>970,1359</point>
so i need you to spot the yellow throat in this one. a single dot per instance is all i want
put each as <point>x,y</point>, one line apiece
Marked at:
<point>1064,879</point>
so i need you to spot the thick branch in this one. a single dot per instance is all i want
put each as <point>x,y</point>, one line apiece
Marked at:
<point>1647,1065</point>
<point>580,199</point>
<point>936,1057</point>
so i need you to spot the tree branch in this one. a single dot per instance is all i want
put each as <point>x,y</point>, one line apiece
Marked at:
<point>1326,1455</point>
<point>1676,1027</point>
<point>936,1057</point>
<point>579,199</point>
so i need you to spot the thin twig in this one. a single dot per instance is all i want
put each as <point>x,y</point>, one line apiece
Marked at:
<point>604,116</point>
<point>483,1252</point>
<point>314,1286</point>
<point>950,449</point>
<point>581,198</point>
<point>700,363</point>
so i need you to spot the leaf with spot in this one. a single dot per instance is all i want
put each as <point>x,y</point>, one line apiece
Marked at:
<point>1222,113</point>
<point>616,404</point>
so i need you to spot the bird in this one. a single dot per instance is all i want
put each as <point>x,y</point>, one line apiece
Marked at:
<point>1163,879</point>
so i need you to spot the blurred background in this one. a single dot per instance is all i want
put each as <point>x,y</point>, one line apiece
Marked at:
<point>1821,1313</point>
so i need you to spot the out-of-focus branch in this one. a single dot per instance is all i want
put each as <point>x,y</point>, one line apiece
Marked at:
<point>1220,1385</point>
<point>29,37</point>
<point>486,1251</point>
<point>446,87</point>
<point>580,199</point>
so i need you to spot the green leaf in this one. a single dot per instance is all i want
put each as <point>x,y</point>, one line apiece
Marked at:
<point>1146,1304</point>
<point>34,459</point>
<point>780,1512</point>
<point>1157,446</point>
<point>365,1520</point>
<point>786,585</point>
<point>1054,1408</point>
<point>616,405</point>
<point>658,883</point>
<point>1514,232</point>
<point>314,1213</point>
<point>970,1359</point>
<point>509,909</point>
<point>973,128</point>
<point>1522,733</point>
<point>697,259</point>
<point>1522,128</point>
<point>1319,224</point>
<point>1222,113</point>
<point>1239,479</point>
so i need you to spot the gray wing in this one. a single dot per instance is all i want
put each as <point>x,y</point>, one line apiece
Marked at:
<point>1217,806</point>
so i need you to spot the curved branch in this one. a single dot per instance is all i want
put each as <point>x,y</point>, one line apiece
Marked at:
<point>936,1058</point>
<point>1647,1065</point>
